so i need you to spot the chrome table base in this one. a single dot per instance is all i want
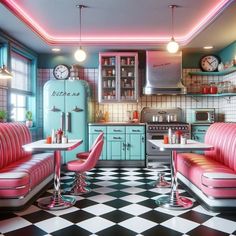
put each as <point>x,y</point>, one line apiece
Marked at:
<point>57,201</point>
<point>174,201</point>
<point>50,203</point>
<point>161,182</point>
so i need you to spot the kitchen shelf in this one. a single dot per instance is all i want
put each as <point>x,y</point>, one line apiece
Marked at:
<point>211,95</point>
<point>214,73</point>
<point>226,96</point>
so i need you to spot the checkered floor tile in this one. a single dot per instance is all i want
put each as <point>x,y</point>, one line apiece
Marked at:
<point>122,202</point>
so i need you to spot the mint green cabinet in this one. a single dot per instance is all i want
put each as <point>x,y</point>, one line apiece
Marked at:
<point>94,131</point>
<point>199,132</point>
<point>121,142</point>
<point>115,146</point>
<point>135,143</point>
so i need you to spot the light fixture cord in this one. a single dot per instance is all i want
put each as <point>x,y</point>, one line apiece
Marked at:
<point>172,19</point>
<point>80,12</point>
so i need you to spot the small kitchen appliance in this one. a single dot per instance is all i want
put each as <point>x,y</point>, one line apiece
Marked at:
<point>203,115</point>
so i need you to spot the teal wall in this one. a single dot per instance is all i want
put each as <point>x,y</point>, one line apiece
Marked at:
<point>46,61</point>
<point>51,60</point>
<point>190,60</point>
<point>228,53</point>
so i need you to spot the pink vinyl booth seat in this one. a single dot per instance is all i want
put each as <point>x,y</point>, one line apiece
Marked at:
<point>212,177</point>
<point>22,174</point>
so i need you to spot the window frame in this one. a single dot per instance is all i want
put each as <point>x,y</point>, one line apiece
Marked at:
<point>31,94</point>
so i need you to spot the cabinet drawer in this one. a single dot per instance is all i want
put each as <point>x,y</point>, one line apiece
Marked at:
<point>115,129</point>
<point>200,128</point>
<point>135,129</point>
<point>97,129</point>
<point>115,137</point>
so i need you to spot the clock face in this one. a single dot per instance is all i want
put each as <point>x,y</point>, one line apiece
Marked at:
<point>209,63</point>
<point>61,72</point>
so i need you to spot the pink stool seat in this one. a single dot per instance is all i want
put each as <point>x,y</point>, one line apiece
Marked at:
<point>84,155</point>
<point>81,166</point>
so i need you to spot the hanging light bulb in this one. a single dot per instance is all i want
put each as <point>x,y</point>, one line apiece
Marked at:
<point>80,54</point>
<point>4,73</point>
<point>172,46</point>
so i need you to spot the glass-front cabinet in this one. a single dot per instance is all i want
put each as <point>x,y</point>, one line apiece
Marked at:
<point>118,77</point>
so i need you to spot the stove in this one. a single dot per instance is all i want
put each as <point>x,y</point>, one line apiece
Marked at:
<point>153,127</point>
<point>157,130</point>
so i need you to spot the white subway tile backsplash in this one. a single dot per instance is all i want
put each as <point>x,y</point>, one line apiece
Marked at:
<point>225,110</point>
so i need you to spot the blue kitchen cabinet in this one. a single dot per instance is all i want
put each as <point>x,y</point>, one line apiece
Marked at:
<point>115,146</point>
<point>199,132</point>
<point>94,131</point>
<point>121,142</point>
<point>116,142</point>
<point>135,143</point>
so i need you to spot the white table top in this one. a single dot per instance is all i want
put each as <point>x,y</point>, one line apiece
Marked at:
<point>190,145</point>
<point>41,145</point>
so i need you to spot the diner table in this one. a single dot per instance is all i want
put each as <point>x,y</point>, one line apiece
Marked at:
<point>174,201</point>
<point>57,201</point>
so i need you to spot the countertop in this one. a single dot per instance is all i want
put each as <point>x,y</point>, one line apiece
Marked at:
<point>117,123</point>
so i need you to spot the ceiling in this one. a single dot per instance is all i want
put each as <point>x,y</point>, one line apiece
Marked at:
<point>119,24</point>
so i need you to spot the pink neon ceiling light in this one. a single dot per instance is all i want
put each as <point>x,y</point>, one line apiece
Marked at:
<point>56,39</point>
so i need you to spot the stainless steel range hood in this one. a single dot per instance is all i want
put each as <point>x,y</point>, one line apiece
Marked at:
<point>163,73</point>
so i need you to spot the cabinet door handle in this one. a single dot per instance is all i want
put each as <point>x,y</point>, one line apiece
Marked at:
<point>116,130</point>
<point>116,137</point>
<point>143,139</point>
<point>98,130</point>
<point>123,146</point>
<point>136,130</point>
<point>201,130</point>
<point>128,146</point>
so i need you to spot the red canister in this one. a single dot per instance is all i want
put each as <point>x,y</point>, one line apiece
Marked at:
<point>135,115</point>
<point>205,89</point>
<point>213,88</point>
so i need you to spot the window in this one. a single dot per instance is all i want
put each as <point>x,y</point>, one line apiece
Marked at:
<point>21,89</point>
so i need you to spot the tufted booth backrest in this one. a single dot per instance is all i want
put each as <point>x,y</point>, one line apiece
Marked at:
<point>12,137</point>
<point>223,137</point>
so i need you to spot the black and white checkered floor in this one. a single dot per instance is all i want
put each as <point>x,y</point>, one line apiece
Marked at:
<point>121,203</point>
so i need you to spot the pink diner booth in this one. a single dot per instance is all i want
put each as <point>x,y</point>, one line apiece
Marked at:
<point>23,175</point>
<point>211,177</point>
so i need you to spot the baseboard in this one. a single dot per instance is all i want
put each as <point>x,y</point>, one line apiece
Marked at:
<point>120,163</point>
<point>19,204</point>
<point>211,204</point>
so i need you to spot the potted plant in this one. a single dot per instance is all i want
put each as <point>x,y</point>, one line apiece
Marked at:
<point>3,115</point>
<point>29,119</point>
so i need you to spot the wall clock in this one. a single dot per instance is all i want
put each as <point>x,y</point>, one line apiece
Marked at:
<point>209,63</point>
<point>61,72</point>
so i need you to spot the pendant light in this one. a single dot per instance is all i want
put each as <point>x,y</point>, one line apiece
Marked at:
<point>80,54</point>
<point>4,73</point>
<point>172,46</point>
